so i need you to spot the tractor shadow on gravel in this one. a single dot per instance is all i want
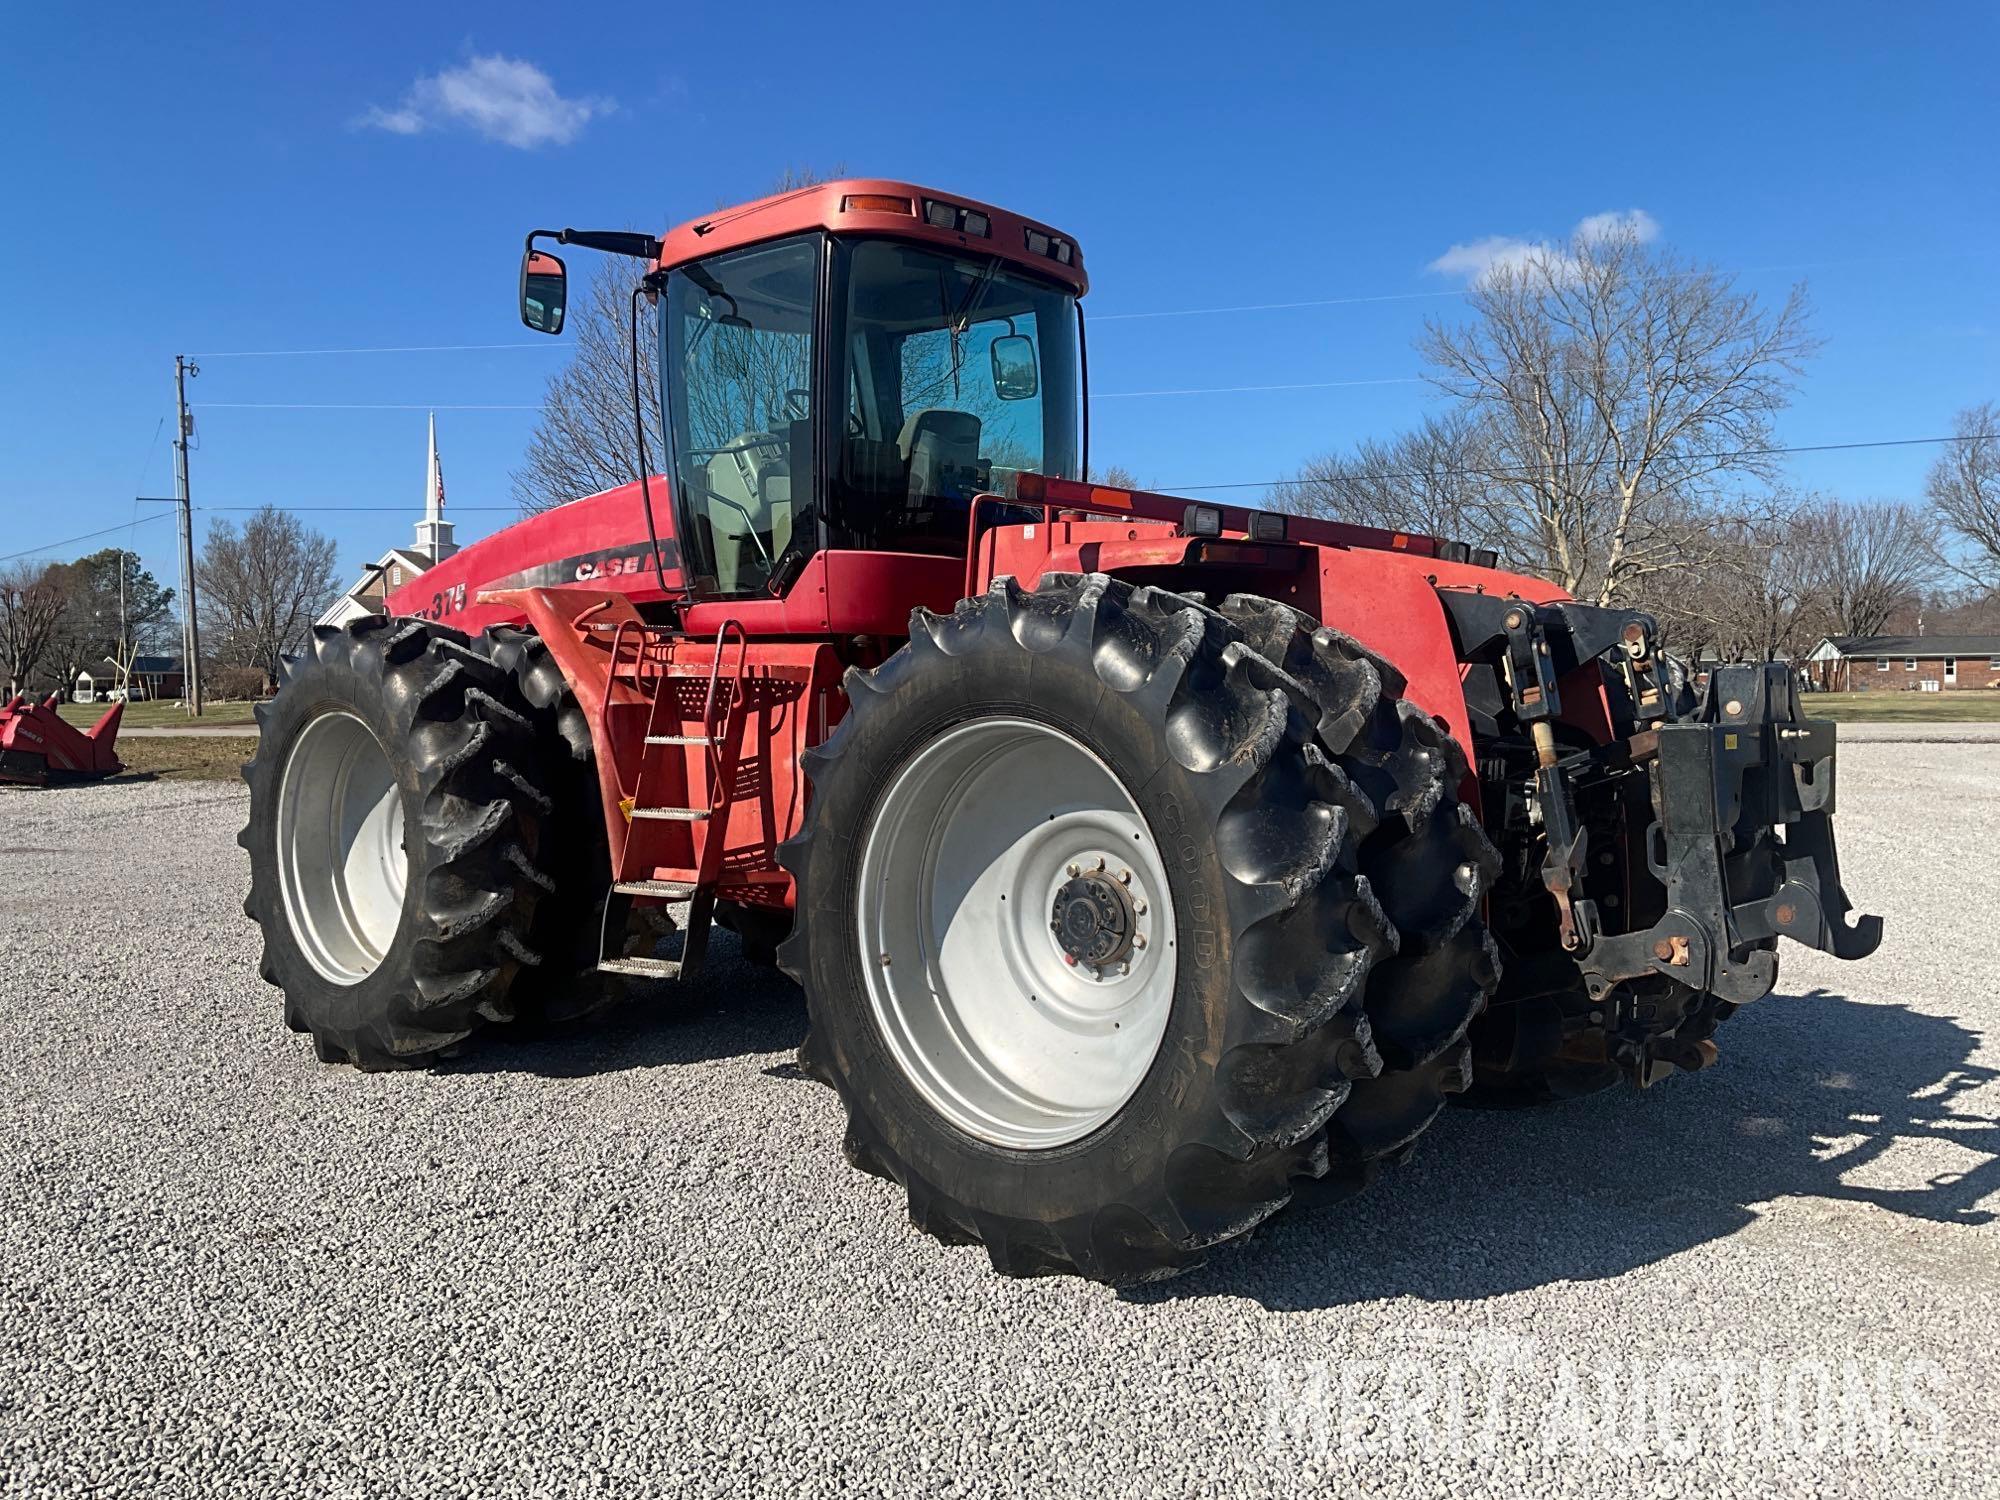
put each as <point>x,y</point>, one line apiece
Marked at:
<point>1814,1097</point>
<point>734,1009</point>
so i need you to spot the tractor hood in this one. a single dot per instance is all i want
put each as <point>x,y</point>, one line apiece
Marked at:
<point>599,542</point>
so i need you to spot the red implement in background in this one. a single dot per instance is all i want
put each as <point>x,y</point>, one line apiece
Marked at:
<point>37,745</point>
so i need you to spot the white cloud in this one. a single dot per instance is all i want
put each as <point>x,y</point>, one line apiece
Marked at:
<point>503,99</point>
<point>1478,261</point>
<point>1635,222</point>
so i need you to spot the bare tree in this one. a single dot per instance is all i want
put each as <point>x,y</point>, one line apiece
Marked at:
<point>1865,562</point>
<point>585,440</point>
<point>1431,480</point>
<point>1759,597</point>
<point>261,589</point>
<point>32,603</point>
<point>1964,491</point>
<point>1619,390</point>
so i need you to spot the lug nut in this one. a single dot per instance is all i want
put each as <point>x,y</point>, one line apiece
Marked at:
<point>1075,870</point>
<point>1138,940</point>
<point>1124,877</point>
<point>1138,907</point>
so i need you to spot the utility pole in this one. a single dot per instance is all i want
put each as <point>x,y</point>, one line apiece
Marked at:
<point>184,371</point>
<point>191,622</point>
<point>124,634</point>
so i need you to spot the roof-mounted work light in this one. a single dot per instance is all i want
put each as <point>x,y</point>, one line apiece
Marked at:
<point>1201,520</point>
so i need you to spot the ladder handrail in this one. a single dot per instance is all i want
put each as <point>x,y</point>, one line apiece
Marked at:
<point>712,730</point>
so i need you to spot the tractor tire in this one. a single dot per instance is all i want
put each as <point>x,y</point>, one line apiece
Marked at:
<point>569,920</point>
<point>396,812</point>
<point>1089,712</point>
<point>1427,861</point>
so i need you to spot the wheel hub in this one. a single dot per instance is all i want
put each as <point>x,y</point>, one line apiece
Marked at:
<point>1093,920</point>
<point>1016,932</point>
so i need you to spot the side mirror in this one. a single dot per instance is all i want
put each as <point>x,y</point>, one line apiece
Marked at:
<point>544,291</point>
<point>1015,377</point>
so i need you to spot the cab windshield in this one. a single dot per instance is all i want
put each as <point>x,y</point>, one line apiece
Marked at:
<point>946,376</point>
<point>957,376</point>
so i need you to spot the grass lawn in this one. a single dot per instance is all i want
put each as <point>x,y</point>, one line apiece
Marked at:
<point>188,757</point>
<point>1957,705</point>
<point>158,715</point>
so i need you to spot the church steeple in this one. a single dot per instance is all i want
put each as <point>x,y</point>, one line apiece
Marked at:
<point>434,531</point>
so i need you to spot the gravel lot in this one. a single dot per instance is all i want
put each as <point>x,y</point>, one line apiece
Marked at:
<point>634,1263</point>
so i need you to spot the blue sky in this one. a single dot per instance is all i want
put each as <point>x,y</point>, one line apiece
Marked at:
<point>207,179</point>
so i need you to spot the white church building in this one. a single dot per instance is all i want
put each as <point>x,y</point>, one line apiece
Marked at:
<point>399,565</point>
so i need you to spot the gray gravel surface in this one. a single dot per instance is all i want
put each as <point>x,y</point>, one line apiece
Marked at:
<point>634,1263</point>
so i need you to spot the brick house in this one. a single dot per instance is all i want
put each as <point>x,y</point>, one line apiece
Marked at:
<point>1899,663</point>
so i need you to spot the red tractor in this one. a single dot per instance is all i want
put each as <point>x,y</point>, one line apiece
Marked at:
<point>1147,864</point>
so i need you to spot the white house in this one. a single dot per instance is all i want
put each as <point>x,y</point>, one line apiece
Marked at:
<point>399,565</point>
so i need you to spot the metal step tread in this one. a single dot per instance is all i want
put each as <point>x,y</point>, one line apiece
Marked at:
<point>678,739</point>
<point>672,814</point>
<point>666,890</point>
<point>644,968</point>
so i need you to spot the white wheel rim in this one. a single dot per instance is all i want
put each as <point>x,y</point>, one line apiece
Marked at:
<point>341,862</point>
<point>975,848</point>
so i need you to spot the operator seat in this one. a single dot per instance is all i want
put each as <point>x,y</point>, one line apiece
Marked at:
<point>749,499</point>
<point>941,448</point>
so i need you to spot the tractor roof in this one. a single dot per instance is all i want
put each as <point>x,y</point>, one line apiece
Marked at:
<point>877,206</point>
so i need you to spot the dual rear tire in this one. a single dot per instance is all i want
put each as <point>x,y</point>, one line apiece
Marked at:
<point>1124,920</point>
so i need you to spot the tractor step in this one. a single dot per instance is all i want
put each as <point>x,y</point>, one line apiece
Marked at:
<point>672,814</point>
<point>678,739</point>
<point>642,968</point>
<point>665,890</point>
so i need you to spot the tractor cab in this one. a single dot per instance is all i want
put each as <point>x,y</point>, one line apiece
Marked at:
<point>845,369</point>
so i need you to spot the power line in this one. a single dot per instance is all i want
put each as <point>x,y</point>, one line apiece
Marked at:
<point>386,349</point>
<point>1203,312</point>
<point>87,536</point>
<point>1206,390</point>
<point>1230,390</point>
<point>1127,317</point>
<point>1239,484</point>
<point>396,510</point>
<point>1487,473</point>
<point>361,406</point>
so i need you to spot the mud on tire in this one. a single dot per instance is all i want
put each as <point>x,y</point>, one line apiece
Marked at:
<point>1270,1039</point>
<point>469,792</point>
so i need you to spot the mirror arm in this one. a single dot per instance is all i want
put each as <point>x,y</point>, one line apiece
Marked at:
<point>611,241</point>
